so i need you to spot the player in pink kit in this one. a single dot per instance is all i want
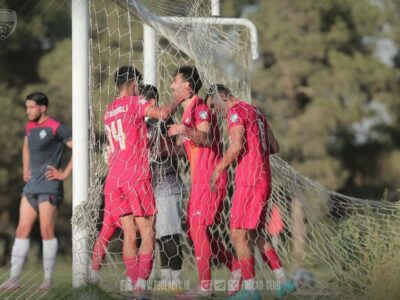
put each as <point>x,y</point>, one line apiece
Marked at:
<point>129,199</point>
<point>251,143</point>
<point>201,139</point>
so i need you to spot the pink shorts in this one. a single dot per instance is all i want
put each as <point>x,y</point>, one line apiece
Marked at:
<point>204,207</point>
<point>249,207</point>
<point>136,199</point>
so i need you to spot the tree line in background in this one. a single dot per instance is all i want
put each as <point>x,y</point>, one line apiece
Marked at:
<point>328,79</point>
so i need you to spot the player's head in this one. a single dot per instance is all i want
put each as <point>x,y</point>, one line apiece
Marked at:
<point>186,82</point>
<point>149,92</point>
<point>215,94</point>
<point>219,90</point>
<point>127,77</point>
<point>36,106</point>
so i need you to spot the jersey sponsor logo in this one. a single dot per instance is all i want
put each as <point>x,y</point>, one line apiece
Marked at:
<point>203,115</point>
<point>42,134</point>
<point>234,118</point>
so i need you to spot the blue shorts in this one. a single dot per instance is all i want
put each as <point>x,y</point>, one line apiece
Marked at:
<point>36,199</point>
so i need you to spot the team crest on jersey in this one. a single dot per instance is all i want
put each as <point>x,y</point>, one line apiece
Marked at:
<point>234,118</point>
<point>42,134</point>
<point>203,115</point>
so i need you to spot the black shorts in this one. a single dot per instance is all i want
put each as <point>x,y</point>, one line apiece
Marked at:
<point>35,199</point>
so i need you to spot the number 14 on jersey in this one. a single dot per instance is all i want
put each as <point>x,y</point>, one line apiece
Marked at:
<point>116,134</point>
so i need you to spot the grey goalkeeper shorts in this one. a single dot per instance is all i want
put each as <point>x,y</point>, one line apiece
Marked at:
<point>36,199</point>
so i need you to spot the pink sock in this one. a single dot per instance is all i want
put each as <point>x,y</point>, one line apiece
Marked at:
<point>247,268</point>
<point>235,264</point>
<point>131,266</point>
<point>272,259</point>
<point>202,250</point>
<point>99,250</point>
<point>145,265</point>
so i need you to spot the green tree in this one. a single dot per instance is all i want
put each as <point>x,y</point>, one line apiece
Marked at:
<point>318,81</point>
<point>37,56</point>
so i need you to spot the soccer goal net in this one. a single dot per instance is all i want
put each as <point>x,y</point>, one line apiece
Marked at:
<point>346,243</point>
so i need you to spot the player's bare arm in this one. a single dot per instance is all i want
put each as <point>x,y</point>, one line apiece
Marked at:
<point>201,135</point>
<point>236,141</point>
<point>53,173</point>
<point>163,112</point>
<point>273,142</point>
<point>25,161</point>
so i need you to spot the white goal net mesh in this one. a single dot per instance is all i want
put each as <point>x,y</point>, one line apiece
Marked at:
<point>345,242</point>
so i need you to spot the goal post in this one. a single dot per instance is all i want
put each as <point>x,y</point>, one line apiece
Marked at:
<point>149,55</point>
<point>150,36</point>
<point>80,134</point>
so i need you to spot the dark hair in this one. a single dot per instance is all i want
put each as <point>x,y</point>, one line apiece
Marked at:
<point>126,74</point>
<point>39,97</point>
<point>216,89</point>
<point>148,91</point>
<point>190,74</point>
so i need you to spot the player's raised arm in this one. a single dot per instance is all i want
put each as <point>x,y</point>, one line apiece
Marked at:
<point>163,112</point>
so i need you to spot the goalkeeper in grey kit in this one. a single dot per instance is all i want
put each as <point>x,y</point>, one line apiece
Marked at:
<point>168,192</point>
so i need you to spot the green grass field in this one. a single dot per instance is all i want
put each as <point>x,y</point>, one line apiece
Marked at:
<point>108,289</point>
<point>384,284</point>
<point>32,275</point>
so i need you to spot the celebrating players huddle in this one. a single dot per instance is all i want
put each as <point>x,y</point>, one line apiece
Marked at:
<point>143,191</point>
<point>140,193</point>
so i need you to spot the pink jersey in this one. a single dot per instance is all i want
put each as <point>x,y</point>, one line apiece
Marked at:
<point>203,159</point>
<point>127,137</point>
<point>253,162</point>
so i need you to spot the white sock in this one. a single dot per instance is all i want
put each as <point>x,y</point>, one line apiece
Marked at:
<point>166,274</point>
<point>249,284</point>
<point>18,256</point>
<point>280,275</point>
<point>50,248</point>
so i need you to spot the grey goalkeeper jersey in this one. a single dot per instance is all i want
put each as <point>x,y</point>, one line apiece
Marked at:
<point>165,178</point>
<point>46,142</point>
